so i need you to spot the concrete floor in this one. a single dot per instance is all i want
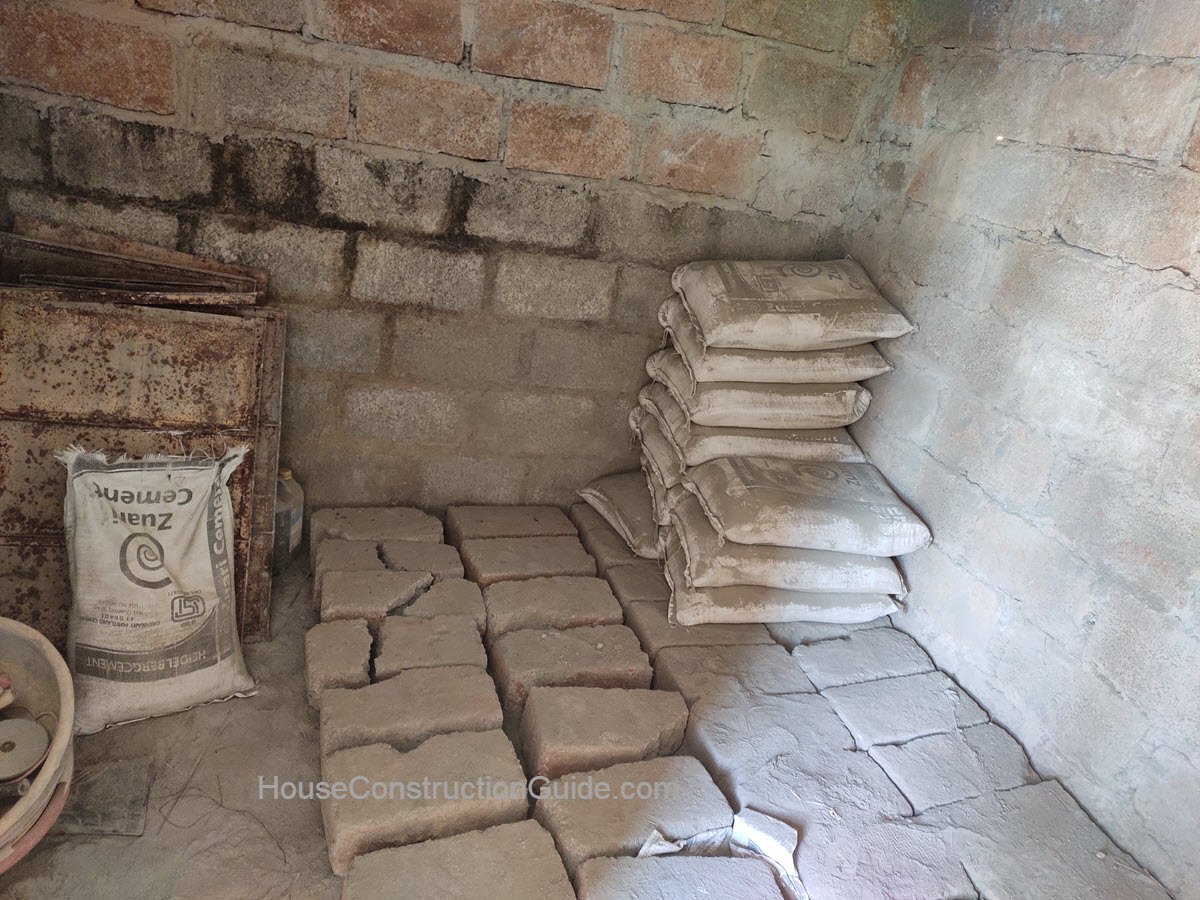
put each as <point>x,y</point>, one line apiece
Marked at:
<point>207,833</point>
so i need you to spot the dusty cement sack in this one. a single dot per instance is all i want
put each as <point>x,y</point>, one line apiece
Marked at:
<point>710,562</point>
<point>659,498</point>
<point>856,363</point>
<point>847,507</point>
<point>660,454</point>
<point>153,625</point>
<point>780,305</point>
<point>624,502</point>
<point>729,404</point>
<point>742,603</point>
<point>695,444</point>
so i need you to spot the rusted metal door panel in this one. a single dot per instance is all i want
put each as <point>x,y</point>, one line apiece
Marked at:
<point>34,585</point>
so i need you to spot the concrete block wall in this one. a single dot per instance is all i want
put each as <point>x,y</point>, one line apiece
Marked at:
<point>470,208</point>
<point>1031,198</point>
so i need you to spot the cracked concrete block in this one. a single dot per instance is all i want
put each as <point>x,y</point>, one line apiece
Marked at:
<point>454,597</point>
<point>862,656</point>
<point>601,539</point>
<point>409,708</point>
<point>649,621</point>
<point>560,601</point>
<point>465,865</point>
<point>371,523</point>
<point>590,656</point>
<point>578,729</point>
<point>439,560</point>
<point>466,522</point>
<point>338,555</point>
<point>407,642</point>
<point>369,595</point>
<point>489,560</point>
<point>759,668</point>
<point>900,709</point>
<point>640,583</point>
<point>792,634</point>
<point>676,878</point>
<point>336,655</point>
<point>945,768</point>
<point>680,802</point>
<point>481,767</point>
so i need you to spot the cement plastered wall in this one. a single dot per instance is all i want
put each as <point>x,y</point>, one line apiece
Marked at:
<point>1031,200</point>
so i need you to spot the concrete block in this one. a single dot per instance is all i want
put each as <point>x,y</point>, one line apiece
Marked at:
<point>524,212</point>
<point>140,223</point>
<point>578,729</point>
<point>1044,25</point>
<point>333,340</point>
<point>22,140</point>
<point>618,878</point>
<point>373,523</point>
<point>561,601</point>
<point>864,655</point>
<point>698,671</point>
<point>640,291</point>
<point>793,634</point>
<point>452,597</point>
<point>483,479</point>
<point>601,539</point>
<point>357,825</point>
<point>382,193</point>
<point>554,427</point>
<point>488,560</point>
<point>336,655</point>
<point>569,140</point>
<point>542,41</point>
<point>791,92</point>
<point>368,595</point>
<point>388,272</point>
<point>408,642</point>
<point>531,284</point>
<point>463,522</point>
<point>473,351</point>
<point>649,621</point>
<point>433,416</point>
<point>600,361</point>
<point>639,584</point>
<point>702,161</point>
<point>900,709</point>
<point>523,852</point>
<point>337,555</point>
<point>439,560</point>
<point>606,656</point>
<point>687,805</point>
<point>632,226</point>
<point>259,174</point>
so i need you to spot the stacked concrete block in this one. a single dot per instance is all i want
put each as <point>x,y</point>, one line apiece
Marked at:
<point>369,595</point>
<point>439,560</point>
<point>468,522</point>
<point>555,602</point>
<point>455,597</point>
<point>336,655</point>
<point>488,560</point>
<point>374,523</point>
<point>655,630</point>
<point>413,642</point>
<point>337,555</point>
<point>619,878</point>
<point>696,671</point>
<point>608,548</point>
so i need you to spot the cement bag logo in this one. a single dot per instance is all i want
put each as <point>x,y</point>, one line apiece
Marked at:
<point>142,561</point>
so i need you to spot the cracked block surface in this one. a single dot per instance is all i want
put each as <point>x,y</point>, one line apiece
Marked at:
<point>682,803</point>
<point>371,523</point>
<point>354,826</point>
<point>561,601</point>
<point>369,595</point>
<point>640,583</point>
<point>409,708</point>
<point>649,621</point>
<point>676,878</point>
<point>455,597</point>
<point>488,560</point>
<point>577,729</point>
<point>336,655</point>
<point>406,642</point>
<point>439,560</point>
<point>466,522</point>
<point>792,634</point>
<point>601,539</point>
<point>899,709</point>
<point>862,656</point>
<point>759,668</point>
<point>336,555</point>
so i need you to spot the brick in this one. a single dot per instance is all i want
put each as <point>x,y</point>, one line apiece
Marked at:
<point>127,220</point>
<point>697,671</point>
<point>874,37</point>
<point>431,416</point>
<point>899,709</point>
<point>463,522</point>
<point>301,263</point>
<point>809,23</point>
<point>439,560</point>
<point>568,140</point>
<point>280,15</point>
<point>429,28</point>
<point>635,227</point>
<point>1084,28</point>
<point>601,539</point>
<point>489,560</point>
<point>559,601</point>
<point>587,828</point>
<point>703,11</point>
<point>465,350</point>
<point>369,595</point>
<point>409,708</point>
<point>387,272</point>
<point>649,620</point>
<point>333,340</point>
<point>69,54</point>
<point>542,40</point>
<point>128,158</point>
<point>336,655</point>
<point>594,359</point>
<point>606,656</point>
<point>913,106</point>
<point>407,642</point>
<point>22,140</point>
<point>357,826</point>
<point>523,851</point>
<point>792,634</point>
<point>452,597</point>
<point>866,655</point>
<point>1169,29</point>
<point>700,161</point>
<point>948,23</point>
<point>615,878</point>
<point>789,91</point>
<point>369,190</point>
<point>579,729</point>
<point>551,287</point>
<point>526,212</point>
<point>639,584</point>
<point>681,67</point>
<point>277,92</point>
<point>481,479</point>
<point>401,109</point>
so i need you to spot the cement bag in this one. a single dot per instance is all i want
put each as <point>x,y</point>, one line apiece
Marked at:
<point>846,507</point>
<point>711,562</point>
<point>659,453</point>
<point>153,626</point>
<point>751,603</point>
<point>624,502</point>
<point>658,495</point>
<point>728,404</point>
<point>765,366</point>
<point>786,305</point>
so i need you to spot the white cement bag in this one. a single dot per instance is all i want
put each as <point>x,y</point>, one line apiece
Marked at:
<point>765,366</point>
<point>780,305</point>
<point>729,404</point>
<point>624,502</point>
<point>711,562</point>
<point>153,626</point>
<point>658,497</point>
<point>751,603</point>
<point>696,444</point>
<point>847,507</point>
<point>658,452</point>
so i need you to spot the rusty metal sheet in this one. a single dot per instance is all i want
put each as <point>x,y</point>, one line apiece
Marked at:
<point>34,585</point>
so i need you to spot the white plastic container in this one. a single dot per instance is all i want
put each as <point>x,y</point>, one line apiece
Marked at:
<point>289,519</point>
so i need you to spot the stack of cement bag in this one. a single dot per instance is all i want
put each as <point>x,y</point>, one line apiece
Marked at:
<point>767,509</point>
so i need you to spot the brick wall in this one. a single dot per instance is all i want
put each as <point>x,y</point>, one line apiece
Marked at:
<point>1031,199</point>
